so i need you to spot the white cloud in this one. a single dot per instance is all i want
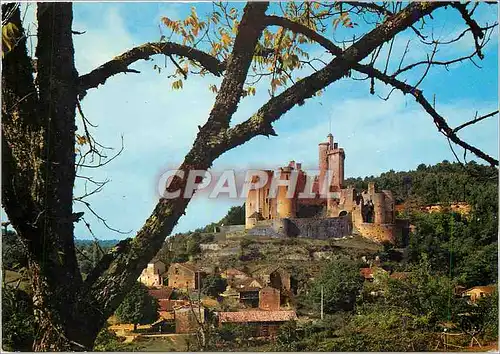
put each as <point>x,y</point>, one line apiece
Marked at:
<point>95,48</point>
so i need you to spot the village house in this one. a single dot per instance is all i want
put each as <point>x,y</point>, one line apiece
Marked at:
<point>234,274</point>
<point>478,292</point>
<point>153,274</point>
<point>269,299</point>
<point>263,323</point>
<point>248,290</point>
<point>188,318</point>
<point>163,293</point>
<point>274,276</point>
<point>166,309</point>
<point>252,293</point>
<point>372,273</point>
<point>184,276</point>
<point>366,273</point>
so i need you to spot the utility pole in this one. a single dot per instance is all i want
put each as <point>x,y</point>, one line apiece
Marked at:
<point>321,302</point>
<point>199,295</point>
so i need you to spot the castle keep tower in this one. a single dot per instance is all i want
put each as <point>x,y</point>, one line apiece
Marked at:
<point>369,213</point>
<point>336,157</point>
<point>323,163</point>
<point>331,159</point>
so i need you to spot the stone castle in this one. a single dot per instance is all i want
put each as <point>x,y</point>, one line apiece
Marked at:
<point>345,211</point>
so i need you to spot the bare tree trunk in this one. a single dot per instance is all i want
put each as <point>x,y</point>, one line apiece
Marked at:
<point>38,141</point>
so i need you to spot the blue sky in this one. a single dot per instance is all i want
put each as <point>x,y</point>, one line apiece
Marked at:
<point>158,125</point>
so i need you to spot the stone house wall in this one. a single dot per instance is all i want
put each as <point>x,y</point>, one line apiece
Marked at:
<point>269,299</point>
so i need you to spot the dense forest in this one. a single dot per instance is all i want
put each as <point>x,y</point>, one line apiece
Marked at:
<point>441,183</point>
<point>445,250</point>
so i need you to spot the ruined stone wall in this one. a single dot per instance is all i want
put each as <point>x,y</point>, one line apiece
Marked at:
<point>379,208</point>
<point>390,213</point>
<point>402,233</point>
<point>268,228</point>
<point>232,228</point>
<point>377,232</point>
<point>186,319</point>
<point>323,228</point>
<point>209,246</point>
<point>317,228</point>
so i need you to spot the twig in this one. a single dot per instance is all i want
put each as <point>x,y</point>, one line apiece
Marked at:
<point>178,66</point>
<point>475,120</point>
<point>100,218</point>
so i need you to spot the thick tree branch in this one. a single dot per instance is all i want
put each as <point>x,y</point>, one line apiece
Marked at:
<point>229,95</point>
<point>38,137</point>
<point>56,80</point>
<point>121,63</point>
<point>381,10</point>
<point>306,31</point>
<point>261,122</point>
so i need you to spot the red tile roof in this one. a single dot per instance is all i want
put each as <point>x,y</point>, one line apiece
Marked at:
<point>165,305</point>
<point>168,305</point>
<point>256,316</point>
<point>231,272</point>
<point>160,294</point>
<point>246,284</point>
<point>366,273</point>
<point>188,266</point>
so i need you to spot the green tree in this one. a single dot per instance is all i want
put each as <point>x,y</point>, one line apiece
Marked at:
<point>138,307</point>
<point>108,341</point>
<point>193,247</point>
<point>213,285</point>
<point>13,252</point>
<point>18,322</point>
<point>287,338</point>
<point>233,336</point>
<point>235,216</point>
<point>341,282</point>
<point>427,298</point>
